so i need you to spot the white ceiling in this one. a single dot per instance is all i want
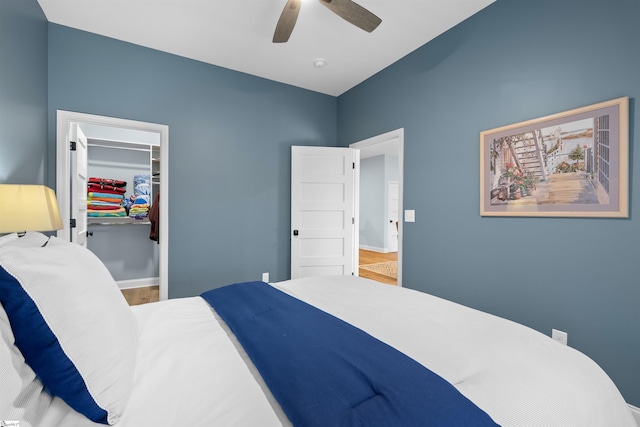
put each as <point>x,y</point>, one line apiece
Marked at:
<point>236,34</point>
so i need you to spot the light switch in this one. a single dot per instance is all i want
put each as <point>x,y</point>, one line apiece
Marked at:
<point>409,216</point>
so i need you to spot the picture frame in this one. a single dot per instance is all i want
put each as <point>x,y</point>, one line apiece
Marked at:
<point>569,164</point>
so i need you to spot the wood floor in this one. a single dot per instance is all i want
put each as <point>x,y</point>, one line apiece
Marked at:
<point>151,293</point>
<point>371,257</point>
<point>144,295</point>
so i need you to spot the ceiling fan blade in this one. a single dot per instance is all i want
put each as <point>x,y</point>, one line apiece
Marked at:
<point>287,21</point>
<point>353,13</point>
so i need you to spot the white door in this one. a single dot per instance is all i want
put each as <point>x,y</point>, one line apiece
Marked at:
<point>322,211</point>
<point>79,180</point>
<point>392,214</point>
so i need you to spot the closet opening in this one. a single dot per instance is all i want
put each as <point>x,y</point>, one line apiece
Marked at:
<point>110,173</point>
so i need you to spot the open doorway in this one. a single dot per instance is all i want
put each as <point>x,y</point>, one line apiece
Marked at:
<point>113,135</point>
<point>380,203</point>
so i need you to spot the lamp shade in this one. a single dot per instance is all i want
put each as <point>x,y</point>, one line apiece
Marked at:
<point>28,208</point>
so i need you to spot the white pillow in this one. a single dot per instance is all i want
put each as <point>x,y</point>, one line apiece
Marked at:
<point>72,325</point>
<point>8,238</point>
<point>22,396</point>
<point>31,238</point>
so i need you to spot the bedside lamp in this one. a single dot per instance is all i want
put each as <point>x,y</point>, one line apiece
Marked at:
<point>28,208</point>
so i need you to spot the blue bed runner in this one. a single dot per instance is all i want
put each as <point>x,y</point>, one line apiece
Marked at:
<point>325,372</point>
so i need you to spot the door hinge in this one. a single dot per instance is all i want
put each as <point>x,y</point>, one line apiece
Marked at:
<point>353,220</point>
<point>72,223</point>
<point>354,165</point>
<point>72,145</point>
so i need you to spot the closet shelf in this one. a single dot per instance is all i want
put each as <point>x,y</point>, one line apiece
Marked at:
<point>116,221</point>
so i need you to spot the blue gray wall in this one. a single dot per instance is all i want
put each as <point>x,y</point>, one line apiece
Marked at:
<point>23,92</point>
<point>372,207</point>
<point>516,60</point>
<point>229,148</point>
<point>375,174</point>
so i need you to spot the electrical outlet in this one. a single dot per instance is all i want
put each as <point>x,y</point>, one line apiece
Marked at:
<point>265,277</point>
<point>559,336</point>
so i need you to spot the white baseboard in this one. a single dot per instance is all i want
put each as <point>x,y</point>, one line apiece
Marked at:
<point>375,249</point>
<point>138,283</point>
<point>636,413</point>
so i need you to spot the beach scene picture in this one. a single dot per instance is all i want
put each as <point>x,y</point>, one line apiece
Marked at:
<point>569,164</point>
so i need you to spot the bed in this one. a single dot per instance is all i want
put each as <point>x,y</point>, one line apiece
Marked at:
<point>178,362</point>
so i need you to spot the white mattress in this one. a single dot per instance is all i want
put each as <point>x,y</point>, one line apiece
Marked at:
<point>190,373</point>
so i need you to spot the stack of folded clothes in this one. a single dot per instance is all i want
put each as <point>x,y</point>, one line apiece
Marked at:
<point>105,198</point>
<point>141,194</point>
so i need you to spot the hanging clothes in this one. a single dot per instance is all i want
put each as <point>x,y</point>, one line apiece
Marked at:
<point>154,218</point>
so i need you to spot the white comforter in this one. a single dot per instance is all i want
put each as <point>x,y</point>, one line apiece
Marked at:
<point>190,373</point>
<point>519,376</point>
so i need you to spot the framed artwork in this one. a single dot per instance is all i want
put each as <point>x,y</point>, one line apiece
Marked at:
<point>570,164</point>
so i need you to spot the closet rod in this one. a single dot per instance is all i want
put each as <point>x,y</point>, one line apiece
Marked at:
<point>91,144</point>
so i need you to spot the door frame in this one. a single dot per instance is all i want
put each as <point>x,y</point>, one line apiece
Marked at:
<point>393,234</point>
<point>370,143</point>
<point>63,171</point>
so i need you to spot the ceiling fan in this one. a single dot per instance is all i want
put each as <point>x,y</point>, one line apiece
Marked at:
<point>346,9</point>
